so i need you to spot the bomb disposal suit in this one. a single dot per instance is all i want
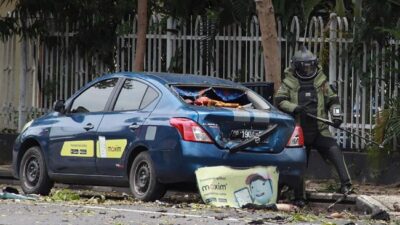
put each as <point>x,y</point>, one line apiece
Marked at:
<point>304,90</point>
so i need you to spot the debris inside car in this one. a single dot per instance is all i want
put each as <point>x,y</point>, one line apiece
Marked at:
<point>213,96</point>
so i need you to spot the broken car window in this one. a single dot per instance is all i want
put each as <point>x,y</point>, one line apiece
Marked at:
<point>221,97</point>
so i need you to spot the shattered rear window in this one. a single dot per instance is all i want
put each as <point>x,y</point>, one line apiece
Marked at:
<point>220,97</point>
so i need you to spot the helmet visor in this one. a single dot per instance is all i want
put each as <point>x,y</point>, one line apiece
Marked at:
<point>306,69</point>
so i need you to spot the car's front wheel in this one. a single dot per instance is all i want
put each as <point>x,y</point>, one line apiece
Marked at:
<point>143,179</point>
<point>33,173</point>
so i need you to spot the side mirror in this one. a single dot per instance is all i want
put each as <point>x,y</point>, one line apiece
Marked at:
<point>59,106</point>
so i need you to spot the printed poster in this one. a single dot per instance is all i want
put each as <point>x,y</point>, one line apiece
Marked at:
<point>225,186</point>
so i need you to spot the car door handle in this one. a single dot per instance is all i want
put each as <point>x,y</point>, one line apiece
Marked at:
<point>134,126</point>
<point>88,126</point>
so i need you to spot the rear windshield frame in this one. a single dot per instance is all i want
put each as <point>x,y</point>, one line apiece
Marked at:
<point>257,101</point>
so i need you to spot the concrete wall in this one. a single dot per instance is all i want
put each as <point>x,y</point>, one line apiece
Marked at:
<point>359,166</point>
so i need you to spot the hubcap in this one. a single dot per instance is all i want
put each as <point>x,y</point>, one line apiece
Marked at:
<point>32,171</point>
<point>142,178</point>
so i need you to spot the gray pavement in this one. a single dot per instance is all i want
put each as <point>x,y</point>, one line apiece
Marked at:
<point>175,208</point>
<point>133,212</point>
<point>391,202</point>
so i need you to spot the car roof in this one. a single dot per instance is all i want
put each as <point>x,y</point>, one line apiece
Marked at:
<point>173,78</point>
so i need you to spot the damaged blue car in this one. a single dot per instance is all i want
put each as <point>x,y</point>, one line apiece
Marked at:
<point>151,130</point>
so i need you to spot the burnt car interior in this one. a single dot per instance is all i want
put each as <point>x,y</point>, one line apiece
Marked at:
<point>220,97</point>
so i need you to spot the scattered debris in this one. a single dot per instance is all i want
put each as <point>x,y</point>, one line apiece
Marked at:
<point>117,217</point>
<point>273,219</point>
<point>350,223</point>
<point>328,223</point>
<point>6,195</point>
<point>273,207</point>
<point>97,199</point>
<point>277,219</point>
<point>396,206</point>
<point>220,217</point>
<point>287,207</point>
<point>298,217</point>
<point>65,195</point>
<point>381,215</point>
<point>336,215</point>
<point>253,222</point>
<point>10,190</point>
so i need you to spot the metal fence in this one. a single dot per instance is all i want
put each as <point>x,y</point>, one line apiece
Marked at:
<point>55,73</point>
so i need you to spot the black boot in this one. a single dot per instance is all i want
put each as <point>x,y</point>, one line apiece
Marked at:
<point>299,202</point>
<point>346,189</point>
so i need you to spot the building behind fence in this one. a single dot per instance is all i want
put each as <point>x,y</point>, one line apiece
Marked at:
<point>55,73</point>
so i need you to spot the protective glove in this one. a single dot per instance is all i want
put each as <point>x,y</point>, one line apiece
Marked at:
<point>300,110</point>
<point>337,123</point>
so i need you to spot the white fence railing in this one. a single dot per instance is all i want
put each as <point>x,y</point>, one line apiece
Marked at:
<point>55,73</point>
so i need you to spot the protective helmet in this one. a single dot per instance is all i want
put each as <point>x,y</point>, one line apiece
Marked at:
<point>304,64</point>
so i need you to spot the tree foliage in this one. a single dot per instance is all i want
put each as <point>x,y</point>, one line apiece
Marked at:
<point>94,24</point>
<point>377,22</point>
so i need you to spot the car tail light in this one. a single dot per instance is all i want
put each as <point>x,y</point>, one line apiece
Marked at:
<point>190,130</point>
<point>297,138</point>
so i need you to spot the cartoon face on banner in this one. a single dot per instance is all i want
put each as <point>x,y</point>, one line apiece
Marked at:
<point>260,188</point>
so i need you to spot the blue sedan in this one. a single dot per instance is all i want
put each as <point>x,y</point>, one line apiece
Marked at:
<point>150,130</point>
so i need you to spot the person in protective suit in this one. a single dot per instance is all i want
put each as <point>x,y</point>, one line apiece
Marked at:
<point>304,90</point>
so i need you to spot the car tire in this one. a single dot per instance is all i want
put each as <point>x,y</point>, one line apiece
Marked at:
<point>33,173</point>
<point>143,179</point>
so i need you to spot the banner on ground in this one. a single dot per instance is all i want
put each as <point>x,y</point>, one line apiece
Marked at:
<point>225,186</point>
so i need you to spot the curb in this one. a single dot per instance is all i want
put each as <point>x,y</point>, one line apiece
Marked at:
<point>330,196</point>
<point>364,204</point>
<point>369,205</point>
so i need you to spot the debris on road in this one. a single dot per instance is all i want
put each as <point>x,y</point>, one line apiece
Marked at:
<point>396,206</point>
<point>337,215</point>
<point>273,207</point>
<point>12,193</point>
<point>64,195</point>
<point>6,195</point>
<point>381,215</point>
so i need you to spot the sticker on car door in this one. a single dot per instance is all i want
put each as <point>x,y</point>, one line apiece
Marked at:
<point>110,148</point>
<point>78,148</point>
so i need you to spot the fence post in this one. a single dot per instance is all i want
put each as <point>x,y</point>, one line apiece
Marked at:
<point>333,25</point>
<point>169,41</point>
<point>332,47</point>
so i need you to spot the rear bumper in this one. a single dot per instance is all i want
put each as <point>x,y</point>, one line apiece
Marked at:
<point>181,166</point>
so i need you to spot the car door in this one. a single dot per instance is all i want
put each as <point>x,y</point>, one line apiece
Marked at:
<point>72,137</point>
<point>120,127</point>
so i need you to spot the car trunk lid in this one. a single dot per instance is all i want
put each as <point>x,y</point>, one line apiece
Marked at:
<point>246,129</point>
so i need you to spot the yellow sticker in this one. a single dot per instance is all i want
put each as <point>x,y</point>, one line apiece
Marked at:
<point>78,148</point>
<point>114,149</point>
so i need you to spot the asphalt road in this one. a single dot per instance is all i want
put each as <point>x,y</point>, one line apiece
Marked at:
<point>119,208</point>
<point>66,213</point>
<point>181,208</point>
<point>61,213</point>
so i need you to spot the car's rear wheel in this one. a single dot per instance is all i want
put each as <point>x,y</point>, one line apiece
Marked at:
<point>143,179</point>
<point>33,173</point>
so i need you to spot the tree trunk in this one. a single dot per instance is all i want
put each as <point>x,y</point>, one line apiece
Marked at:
<point>22,84</point>
<point>269,38</point>
<point>141,36</point>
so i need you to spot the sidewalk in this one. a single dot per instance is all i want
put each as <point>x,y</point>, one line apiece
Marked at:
<point>386,197</point>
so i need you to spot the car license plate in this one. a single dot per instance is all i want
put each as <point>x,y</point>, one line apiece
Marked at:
<point>244,133</point>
